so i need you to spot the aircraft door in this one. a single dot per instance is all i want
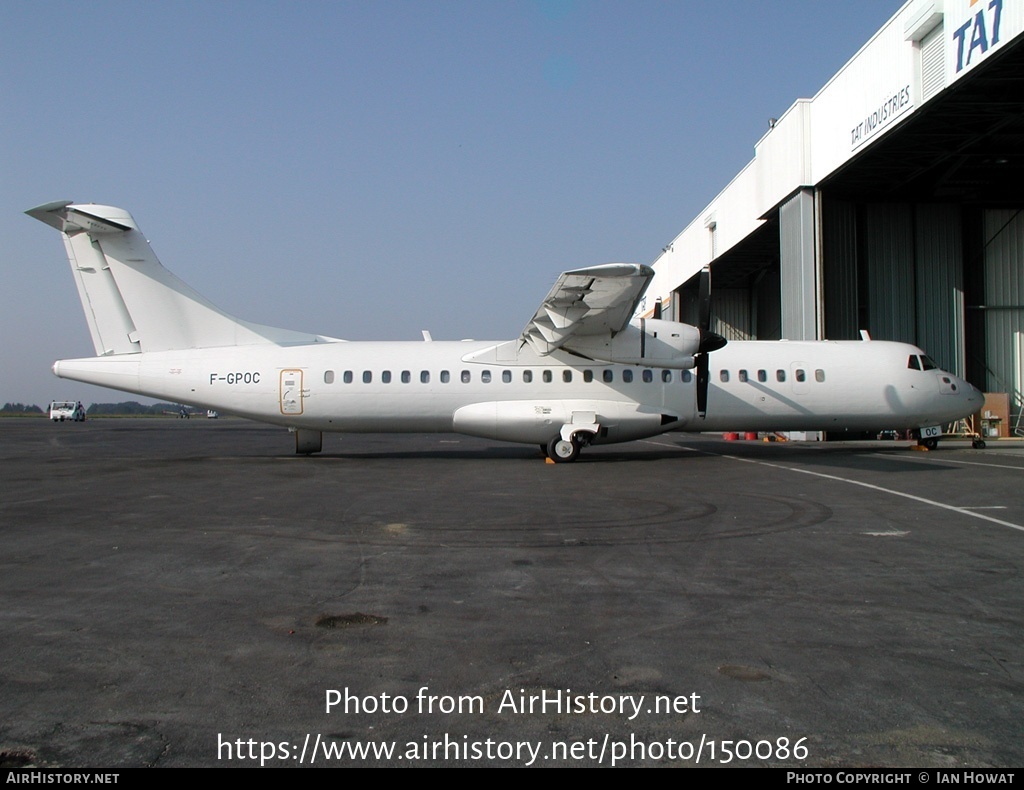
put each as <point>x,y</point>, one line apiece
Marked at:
<point>291,392</point>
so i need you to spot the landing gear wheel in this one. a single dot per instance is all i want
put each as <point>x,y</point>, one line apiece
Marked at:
<point>978,444</point>
<point>561,451</point>
<point>930,444</point>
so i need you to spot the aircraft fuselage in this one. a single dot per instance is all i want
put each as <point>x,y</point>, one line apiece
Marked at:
<point>504,391</point>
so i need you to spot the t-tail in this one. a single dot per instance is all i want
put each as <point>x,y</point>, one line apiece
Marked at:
<point>131,302</point>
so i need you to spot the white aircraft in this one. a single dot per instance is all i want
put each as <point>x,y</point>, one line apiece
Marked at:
<point>584,371</point>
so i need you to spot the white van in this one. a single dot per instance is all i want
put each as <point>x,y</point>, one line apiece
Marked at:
<point>61,410</point>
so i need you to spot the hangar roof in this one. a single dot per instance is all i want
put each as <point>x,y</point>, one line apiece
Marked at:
<point>965,146</point>
<point>963,143</point>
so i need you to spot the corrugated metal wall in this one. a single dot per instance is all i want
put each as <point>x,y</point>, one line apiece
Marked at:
<point>839,270</point>
<point>889,258</point>
<point>1004,300</point>
<point>798,267</point>
<point>686,309</point>
<point>768,305</point>
<point>913,259</point>
<point>940,288</point>
<point>731,313</point>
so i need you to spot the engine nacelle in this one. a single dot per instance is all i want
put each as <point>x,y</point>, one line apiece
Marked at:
<point>646,341</point>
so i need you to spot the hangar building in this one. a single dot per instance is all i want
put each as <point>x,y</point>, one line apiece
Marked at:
<point>892,201</point>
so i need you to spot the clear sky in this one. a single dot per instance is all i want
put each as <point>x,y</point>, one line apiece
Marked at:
<point>370,169</point>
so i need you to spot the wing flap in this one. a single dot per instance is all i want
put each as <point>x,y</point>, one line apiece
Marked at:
<point>584,302</point>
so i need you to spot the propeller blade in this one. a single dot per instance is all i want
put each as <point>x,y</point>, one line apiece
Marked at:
<point>704,300</point>
<point>709,341</point>
<point>702,385</point>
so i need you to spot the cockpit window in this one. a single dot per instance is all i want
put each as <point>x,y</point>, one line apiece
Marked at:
<point>914,363</point>
<point>927,363</point>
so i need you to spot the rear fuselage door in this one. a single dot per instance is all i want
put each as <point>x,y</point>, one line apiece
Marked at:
<point>291,391</point>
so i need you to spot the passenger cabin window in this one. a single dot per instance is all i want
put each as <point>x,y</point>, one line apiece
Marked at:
<point>527,376</point>
<point>627,375</point>
<point>567,376</point>
<point>328,377</point>
<point>687,377</point>
<point>819,375</point>
<point>647,375</point>
<point>485,376</point>
<point>385,376</point>
<point>424,377</point>
<point>506,376</point>
<point>762,375</point>
<point>347,376</point>
<point>546,376</point>
<point>588,376</point>
<point>780,375</point>
<point>608,375</point>
<point>367,377</point>
<point>724,375</point>
<point>801,375</point>
<point>742,375</point>
<point>666,376</point>
<point>406,376</point>
<point>466,377</point>
<point>446,376</point>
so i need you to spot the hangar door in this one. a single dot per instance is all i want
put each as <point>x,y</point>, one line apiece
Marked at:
<point>1003,306</point>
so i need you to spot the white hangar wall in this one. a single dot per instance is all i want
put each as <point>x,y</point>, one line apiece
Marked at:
<point>807,246</point>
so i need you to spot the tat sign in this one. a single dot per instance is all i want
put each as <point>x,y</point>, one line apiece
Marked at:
<point>974,34</point>
<point>892,106</point>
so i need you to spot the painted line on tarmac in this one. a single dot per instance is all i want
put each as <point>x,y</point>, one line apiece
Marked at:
<point>962,511</point>
<point>947,460</point>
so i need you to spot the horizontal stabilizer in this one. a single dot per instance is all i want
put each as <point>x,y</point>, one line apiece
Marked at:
<point>132,303</point>
<point>74,219</point>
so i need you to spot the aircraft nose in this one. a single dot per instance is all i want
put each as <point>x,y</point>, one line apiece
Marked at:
<point>972,395</point>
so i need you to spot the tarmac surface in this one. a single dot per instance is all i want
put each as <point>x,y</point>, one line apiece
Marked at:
<point>190,593</point>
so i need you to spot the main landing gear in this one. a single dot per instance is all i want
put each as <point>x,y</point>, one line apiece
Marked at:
<point>562,451</point>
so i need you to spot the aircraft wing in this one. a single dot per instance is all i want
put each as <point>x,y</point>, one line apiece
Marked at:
<point>592,301</point>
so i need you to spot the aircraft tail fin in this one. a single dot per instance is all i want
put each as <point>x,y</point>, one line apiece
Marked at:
<point>131,302</point>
